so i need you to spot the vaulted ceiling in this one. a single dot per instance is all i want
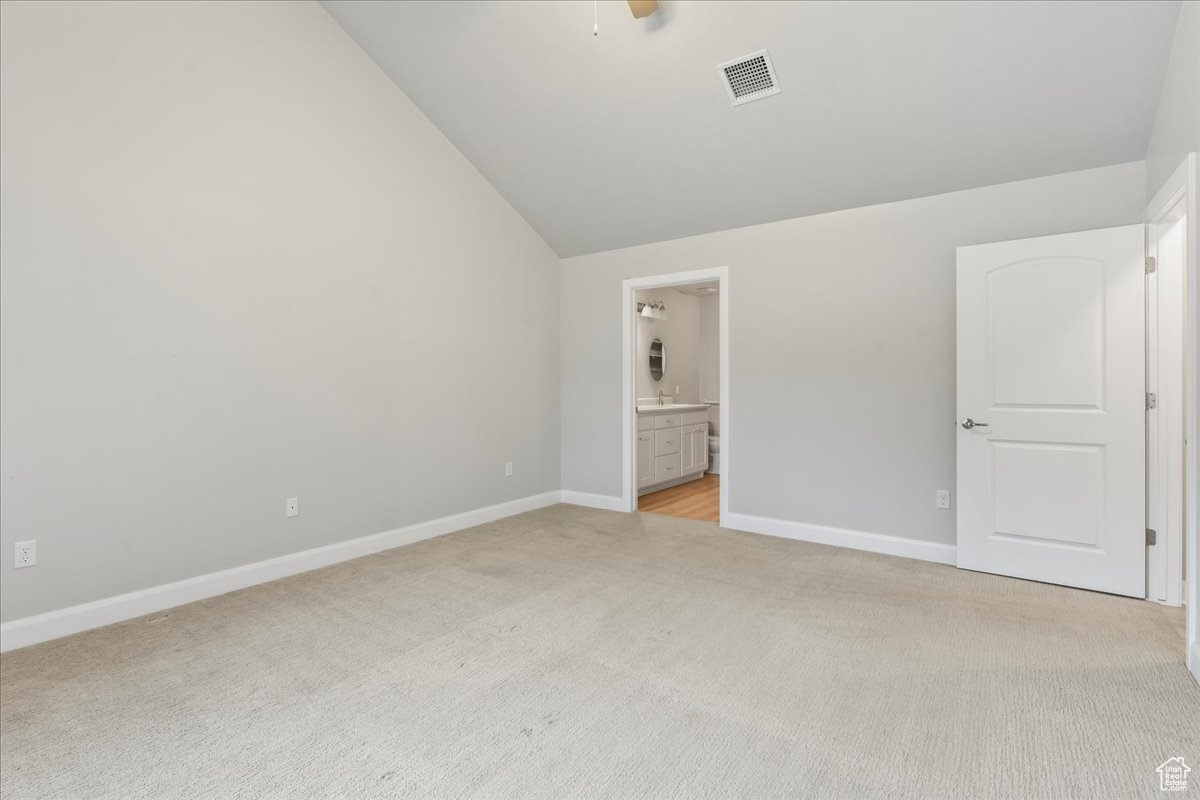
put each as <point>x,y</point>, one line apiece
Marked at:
<point>630,137</point>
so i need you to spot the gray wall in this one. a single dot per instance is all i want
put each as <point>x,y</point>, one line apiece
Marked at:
<point>710,348</point>
<point>238,265</point>
<point>680,334</point>
<point>841,347</point>
<point>1176,129</point>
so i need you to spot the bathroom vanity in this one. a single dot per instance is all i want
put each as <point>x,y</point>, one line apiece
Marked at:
<point>672,445</point>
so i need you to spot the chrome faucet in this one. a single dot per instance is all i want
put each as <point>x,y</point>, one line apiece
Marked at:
<point>660,397</point>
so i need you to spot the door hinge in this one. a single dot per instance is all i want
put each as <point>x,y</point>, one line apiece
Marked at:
<point>1151,264</point>
<point>1151,401</point>
<point>1151,537</point>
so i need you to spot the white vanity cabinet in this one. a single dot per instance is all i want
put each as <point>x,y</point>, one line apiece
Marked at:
<point>672,445</point>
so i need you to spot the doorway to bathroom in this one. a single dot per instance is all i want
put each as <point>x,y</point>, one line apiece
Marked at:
<point>675,391</point>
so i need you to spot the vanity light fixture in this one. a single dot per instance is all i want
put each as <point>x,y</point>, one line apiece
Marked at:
<point>655,309</point>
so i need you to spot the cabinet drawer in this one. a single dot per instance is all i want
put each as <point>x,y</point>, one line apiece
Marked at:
<point>645,423</point>
<point>666,441</point>
<point>695,417</point>
<point>667,468</point>
<point>667,421</point>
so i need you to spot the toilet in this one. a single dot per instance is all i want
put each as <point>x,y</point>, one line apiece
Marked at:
<point>714,438</point>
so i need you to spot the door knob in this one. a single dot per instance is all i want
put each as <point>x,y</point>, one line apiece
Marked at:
<point>969,423</point>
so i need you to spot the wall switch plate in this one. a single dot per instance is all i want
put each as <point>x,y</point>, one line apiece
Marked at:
<point>25,554</point>
<point>508,469</point>
<point>293,506</point>
<point>943,498</point>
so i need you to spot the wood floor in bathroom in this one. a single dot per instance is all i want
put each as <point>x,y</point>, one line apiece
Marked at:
<point>694,500</point>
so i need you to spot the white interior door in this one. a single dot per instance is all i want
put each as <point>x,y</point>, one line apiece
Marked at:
<point>1051,409</point>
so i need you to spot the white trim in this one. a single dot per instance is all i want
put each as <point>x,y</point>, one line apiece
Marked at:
<point>842,537</point>
<point>629,492</point>
<point>66,621</point>
<point>607,502</point>
<point>1183,183</point>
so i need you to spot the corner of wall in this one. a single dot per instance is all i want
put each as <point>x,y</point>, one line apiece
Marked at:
<point>1176,128</point>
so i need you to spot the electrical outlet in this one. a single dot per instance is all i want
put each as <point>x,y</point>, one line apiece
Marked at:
<point>25,554</point>
<point>508,469</point>
<point>943,498</point>
<point>292,507</point>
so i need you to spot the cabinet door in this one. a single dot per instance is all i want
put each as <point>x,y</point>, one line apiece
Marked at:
<point>645,458</point>
<point>695,449</point>
<point>689,449</point>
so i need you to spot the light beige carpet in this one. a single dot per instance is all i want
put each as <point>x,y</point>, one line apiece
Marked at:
<point>570,652</point>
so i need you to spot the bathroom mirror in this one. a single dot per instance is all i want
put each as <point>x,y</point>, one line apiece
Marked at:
<point>658,360</point>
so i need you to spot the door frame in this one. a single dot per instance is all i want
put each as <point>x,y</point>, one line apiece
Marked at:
<point>629,383</point>
<point>1165,378</point>
<point>1181,187</point>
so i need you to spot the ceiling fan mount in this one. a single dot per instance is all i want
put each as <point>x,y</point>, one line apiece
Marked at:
<point>643,8</point>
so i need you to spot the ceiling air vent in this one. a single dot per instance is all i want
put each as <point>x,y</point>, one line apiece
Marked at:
<point>749,78</point>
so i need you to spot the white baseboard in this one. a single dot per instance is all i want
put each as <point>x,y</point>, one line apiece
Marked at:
<point>63,622</point>
<point>841,537</point>
<point>74,619</point>
<point>1193,663</point>
<point>605,501</point>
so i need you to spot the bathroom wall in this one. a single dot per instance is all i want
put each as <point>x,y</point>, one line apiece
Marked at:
<point>710,348</point>
<point>680,333</point>
<point>710,358</point>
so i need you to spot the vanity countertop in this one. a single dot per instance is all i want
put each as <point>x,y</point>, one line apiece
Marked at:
<point>676,408</point>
